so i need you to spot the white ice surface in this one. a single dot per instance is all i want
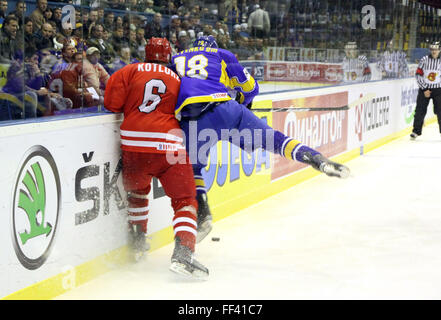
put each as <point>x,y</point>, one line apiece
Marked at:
<point>376,235</point>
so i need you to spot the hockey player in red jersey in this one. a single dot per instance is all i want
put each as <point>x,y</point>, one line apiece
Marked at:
<point>146,93</point>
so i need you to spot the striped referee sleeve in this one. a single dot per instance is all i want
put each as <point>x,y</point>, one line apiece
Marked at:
<point>366,69</point>
<point>419,74</point>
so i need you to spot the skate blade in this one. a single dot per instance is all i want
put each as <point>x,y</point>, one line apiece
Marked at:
<point>343,173</point>
<point>181,269</point>
<point>138,256</point>
<point>205,229</point>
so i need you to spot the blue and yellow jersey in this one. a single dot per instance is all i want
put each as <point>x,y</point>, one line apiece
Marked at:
<point>206,75</point>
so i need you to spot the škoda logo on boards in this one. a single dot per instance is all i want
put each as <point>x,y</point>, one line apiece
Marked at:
<point>36,207</point>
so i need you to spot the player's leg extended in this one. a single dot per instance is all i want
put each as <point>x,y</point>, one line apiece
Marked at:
<point>263,136</point>
<point>137,186</point>
<point>179,185</point>
<point>420,114</point>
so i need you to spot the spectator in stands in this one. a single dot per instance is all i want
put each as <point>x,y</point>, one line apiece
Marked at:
<point>154,28</point>
<point>170,9</point>
<point>106,35</point>
<point>80,43</point>
<point>127,24</point>
<point>48,14</point>
<point>183,40</point>
<point>218,27</point>
<point>77,16</point>
<point>191,35</point>
<point>108,22</point>
<point>174,26</point>
<point>206,14</point>
<point>236,32</point>
<point>24,102</point>
<point>123,59</point>
<point>195,10</point>
<point>134,5</point>
<point>195,22</point>
<point>232,14</point>
<point>19,13</point>
<point>117,4</point>
<point>242,49</point>
<point>259,23</point>
<point>141,42</point>
<point>100,11</point>
<point>118,22</point>
<point>85,22</point>
<point>36,81</point>
<point>244,30</point>
<point>67,32</point>
<point>118,39</point>
<point>92,21</point>
<point>37,15</point>
<point>44,37</point>
<point>29,40</point>
<point>149,7</point>
<point>208,29</point>
<point>185,24</point>
<point>106,49</point>
<point>257,52</point>
<point>94,74</point>
<point>222,41</point>
<point>185,8</point>
<point>56,18</point>
<point>133,44</point>
<point>67,53</point>
<point>3,11</point>
<point>278,20</point>
<point>65,37</point>
<point>74,86</point>
<point>10,44</point>
<point>174,43</point>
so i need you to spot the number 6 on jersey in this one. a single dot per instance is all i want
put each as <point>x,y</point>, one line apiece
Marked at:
<point>151,99</point>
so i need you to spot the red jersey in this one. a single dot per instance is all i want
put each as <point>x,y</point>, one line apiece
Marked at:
<point>147,94</point>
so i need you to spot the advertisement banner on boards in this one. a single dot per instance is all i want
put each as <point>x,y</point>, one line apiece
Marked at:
<point>303,72</point>
<point>325,131</point>
<point>63,201</point>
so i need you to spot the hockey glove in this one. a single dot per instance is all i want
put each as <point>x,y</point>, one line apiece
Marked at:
<point>240,97</point>
<point>328,167</point>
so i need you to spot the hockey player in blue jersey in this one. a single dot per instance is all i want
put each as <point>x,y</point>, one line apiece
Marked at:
<point>204,105</point>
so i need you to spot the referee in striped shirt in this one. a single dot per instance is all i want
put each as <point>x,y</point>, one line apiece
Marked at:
<point>428,76</point>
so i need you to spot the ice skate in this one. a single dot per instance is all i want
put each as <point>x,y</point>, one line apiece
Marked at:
<point>183,263</point>
<point>334,169</point>
<point>137,242</point>
<point>413,136</point>
<point>328,167</point>
<point>205,219</point>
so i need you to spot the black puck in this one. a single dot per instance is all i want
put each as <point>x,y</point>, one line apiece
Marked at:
<point>215,239</point>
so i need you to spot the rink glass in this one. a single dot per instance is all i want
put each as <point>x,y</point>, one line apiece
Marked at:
<point>302,44</point>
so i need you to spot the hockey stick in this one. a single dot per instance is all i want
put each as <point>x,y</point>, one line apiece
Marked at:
<point>292,108</point>
<point>361,100</point>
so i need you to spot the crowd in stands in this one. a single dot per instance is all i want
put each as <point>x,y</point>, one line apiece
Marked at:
<point>53,64</point>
